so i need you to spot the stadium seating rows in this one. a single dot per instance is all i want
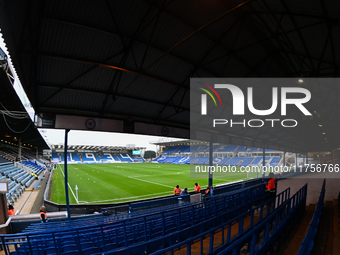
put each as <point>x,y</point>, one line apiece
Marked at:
<point>108,233</point>
<point>232,161</point>
<point>73,157</point>
<point>17,178</point>
<point>216,148</point>
<point>206,229</point>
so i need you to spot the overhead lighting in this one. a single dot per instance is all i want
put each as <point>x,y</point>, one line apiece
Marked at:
<point>300,81</point>
<point>15,139</point>
<point>323,133</point>
<point>320,125</point>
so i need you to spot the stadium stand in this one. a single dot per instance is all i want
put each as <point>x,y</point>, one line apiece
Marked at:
<point>199,160</point>
<point>275,161</point>
<point>202,234</point>
<point>197,148</point>
<point>17,178</point>
<point>171,149</point>
<point>111,232</point>
<point>3,159</point>
<point>124,157</point>
<point>89,157</point>
<point>108,157</point>
<point>227,148</point>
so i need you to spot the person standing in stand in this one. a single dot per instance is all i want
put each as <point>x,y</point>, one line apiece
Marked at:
<point>177,190</point>
<point>197,188</point>
<point>43,215</point>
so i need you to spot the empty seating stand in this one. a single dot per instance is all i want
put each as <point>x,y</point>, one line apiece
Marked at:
<point>18,179</point>
<point>102,234</point>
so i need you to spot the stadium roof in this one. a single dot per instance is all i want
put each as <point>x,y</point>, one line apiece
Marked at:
<point>15,122</point>
<point>130,60</point>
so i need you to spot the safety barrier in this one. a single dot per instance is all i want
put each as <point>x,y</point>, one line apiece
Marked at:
<point>271,227</point>
<point>308,241</point>
<point>158,202</point>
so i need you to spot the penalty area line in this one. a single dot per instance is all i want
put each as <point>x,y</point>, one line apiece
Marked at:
<point>150,182</point>
<point>69,185</point>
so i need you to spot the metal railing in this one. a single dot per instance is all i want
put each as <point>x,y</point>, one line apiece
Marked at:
<point>308,241</point>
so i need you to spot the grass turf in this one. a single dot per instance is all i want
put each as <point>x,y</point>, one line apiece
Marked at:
<point>119,182</point>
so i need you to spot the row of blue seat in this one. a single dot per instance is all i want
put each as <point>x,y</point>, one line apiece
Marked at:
<point>251,192</point>
<point>239,161</point>
<point>33,167</point>
<point>271,227</point>
<point>206,229</point>
<point>17,180</point>
<point>129,231</point>
<point>308,242</point>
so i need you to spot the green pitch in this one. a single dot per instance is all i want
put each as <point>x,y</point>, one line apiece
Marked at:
<point>114,183</point>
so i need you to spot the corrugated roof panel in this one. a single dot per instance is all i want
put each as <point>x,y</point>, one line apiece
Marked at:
<point>75,100</point>
<point>312,7</point>
<point>77,42</point>
<point>94,78</point>
<point>58,71</point>
<point>130,107</point>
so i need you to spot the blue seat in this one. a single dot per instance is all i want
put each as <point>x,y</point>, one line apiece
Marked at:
<point>70,253</point>
<point>91,251</point>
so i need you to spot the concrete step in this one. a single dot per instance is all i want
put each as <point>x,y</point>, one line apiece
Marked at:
<point>297,237</point>
<point>323,242</point>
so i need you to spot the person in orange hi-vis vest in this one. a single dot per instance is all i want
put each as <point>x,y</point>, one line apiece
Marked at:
<point>177,190</point>
<point>270,186</point>
<point>11,210</point>
<point>197,188</point>
<point>43,215</point>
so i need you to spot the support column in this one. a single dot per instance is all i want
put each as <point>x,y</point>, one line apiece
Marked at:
<point>284,159</point>
<point>36,152</point>
<point>263,160</point>
<point>66,179</point>
<point>210,183</point>
<point>303,160</point>
<point>296,163</point>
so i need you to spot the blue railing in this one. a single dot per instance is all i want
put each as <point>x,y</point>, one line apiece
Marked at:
<point>271,227</point>
<point>112,233</point>
<point>308,241</point>
<point>208,228</point>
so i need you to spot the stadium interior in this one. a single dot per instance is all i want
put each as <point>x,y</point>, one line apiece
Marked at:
<point>125,66</point>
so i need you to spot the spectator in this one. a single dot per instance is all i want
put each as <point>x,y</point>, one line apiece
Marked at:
<point>177,190</point>
<point>209,191</point>
<point>11,210</point>
<point>43,215</point>
<point>197,188</point>
<point>270,186</point>
<point>184,192</point>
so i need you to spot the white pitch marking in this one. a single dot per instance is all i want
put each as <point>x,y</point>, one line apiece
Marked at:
<point>150,182</point>
<point>69,185</point>
<point>118,199</point>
